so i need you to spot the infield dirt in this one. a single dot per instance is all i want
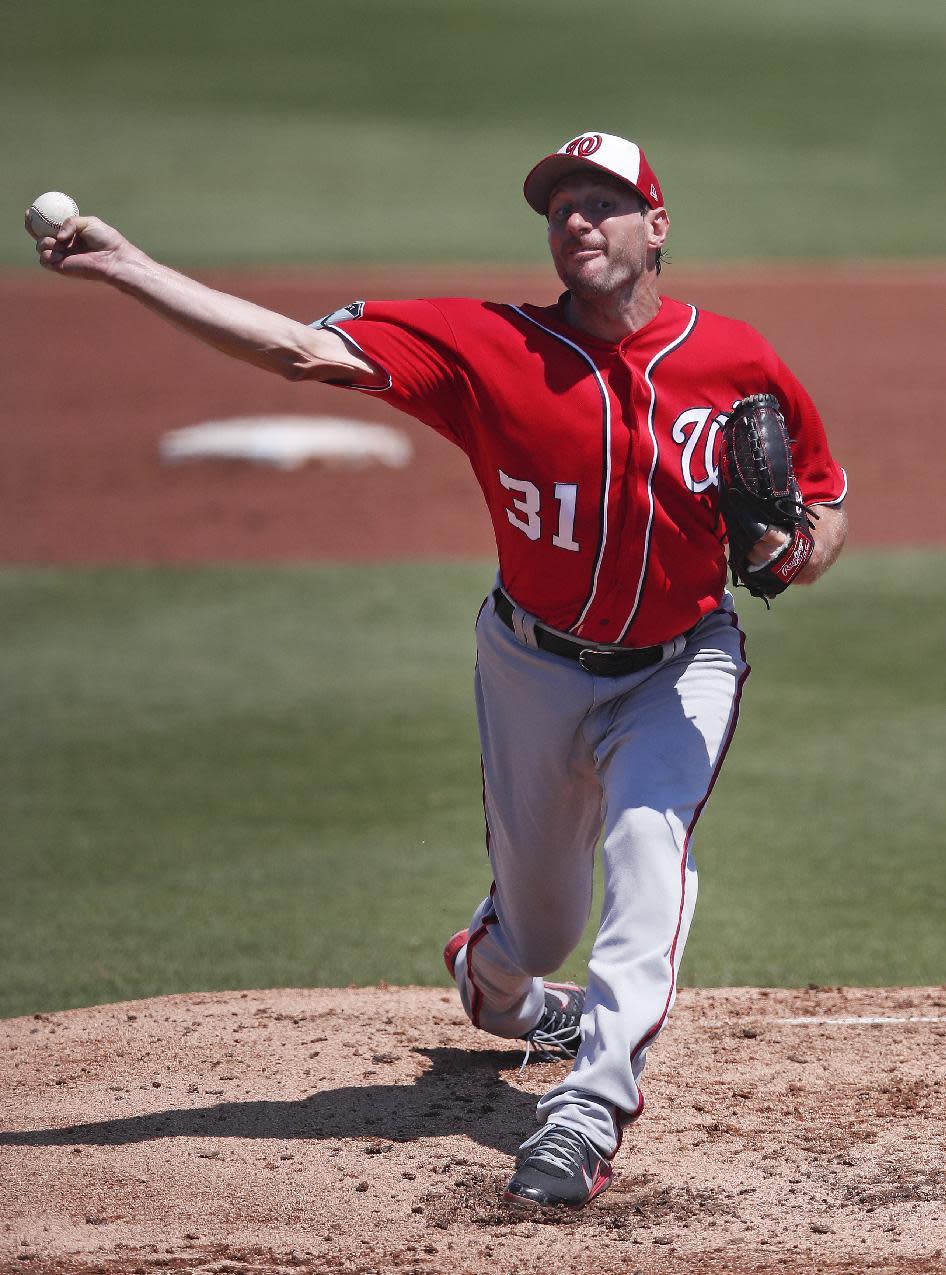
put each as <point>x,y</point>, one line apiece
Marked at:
<point>372,1130</point>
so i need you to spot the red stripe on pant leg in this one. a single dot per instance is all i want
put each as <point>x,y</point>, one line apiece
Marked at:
<point>476,666</point>
<point>485,814</point>
<point>476,1000</point>
<point>623,1118</point>
<point>731,730</point>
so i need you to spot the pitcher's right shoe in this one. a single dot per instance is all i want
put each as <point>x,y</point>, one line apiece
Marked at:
<point>452,951</point>
<point>558,1031</point>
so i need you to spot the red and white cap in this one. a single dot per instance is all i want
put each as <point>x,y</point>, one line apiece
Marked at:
<point>601,152</point>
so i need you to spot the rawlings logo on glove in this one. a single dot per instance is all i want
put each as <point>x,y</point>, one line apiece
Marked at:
<point>757,491</point>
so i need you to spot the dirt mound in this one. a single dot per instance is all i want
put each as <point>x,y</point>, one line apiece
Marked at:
<point>372,1130</point>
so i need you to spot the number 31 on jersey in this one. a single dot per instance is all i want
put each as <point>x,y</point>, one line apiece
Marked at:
<point>697,467</point>
<point>525,513</point>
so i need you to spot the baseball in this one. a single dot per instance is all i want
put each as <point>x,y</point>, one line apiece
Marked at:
<point>49,211</point>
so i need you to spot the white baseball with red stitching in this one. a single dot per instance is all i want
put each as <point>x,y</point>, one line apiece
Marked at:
<point>49,211</point>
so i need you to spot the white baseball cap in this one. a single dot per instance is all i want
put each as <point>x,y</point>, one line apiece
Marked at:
<point>596,151</point>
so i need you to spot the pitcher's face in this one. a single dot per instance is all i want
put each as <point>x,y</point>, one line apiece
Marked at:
<point>598,233</point>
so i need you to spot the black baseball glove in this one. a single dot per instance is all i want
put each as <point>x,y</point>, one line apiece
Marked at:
<point>757,490</point>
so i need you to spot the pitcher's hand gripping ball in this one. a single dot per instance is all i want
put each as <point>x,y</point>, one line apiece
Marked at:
<point>47,213</point>
<point>757,490</point>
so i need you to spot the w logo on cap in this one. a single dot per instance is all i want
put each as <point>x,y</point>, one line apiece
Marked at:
<point>600,153</point>
<point>583,146</point>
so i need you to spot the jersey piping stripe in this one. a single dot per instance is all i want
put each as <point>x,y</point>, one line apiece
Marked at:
<point>648,375</point>
<point>353,385</point>
<point>606,478</point>
<point>838,500</point>
<point>721,757</point>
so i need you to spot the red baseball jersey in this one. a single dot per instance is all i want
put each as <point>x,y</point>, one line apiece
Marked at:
<point>597,461</point>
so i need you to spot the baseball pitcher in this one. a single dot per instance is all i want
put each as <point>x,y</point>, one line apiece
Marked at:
<point>631,449</point>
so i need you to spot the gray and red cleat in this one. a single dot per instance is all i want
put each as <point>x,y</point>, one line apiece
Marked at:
<point>557,1167</point>
<point>452,951</point>
<point>558,1031</point>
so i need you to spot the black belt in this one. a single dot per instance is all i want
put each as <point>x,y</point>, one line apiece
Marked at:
<point>601,661</point>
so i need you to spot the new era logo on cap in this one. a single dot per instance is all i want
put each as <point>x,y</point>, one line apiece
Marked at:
<point>595,151</point>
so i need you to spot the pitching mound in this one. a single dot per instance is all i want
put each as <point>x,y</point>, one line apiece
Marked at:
<point>372,1130</point>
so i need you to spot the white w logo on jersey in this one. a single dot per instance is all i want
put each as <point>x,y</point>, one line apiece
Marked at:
<point>698,468</point>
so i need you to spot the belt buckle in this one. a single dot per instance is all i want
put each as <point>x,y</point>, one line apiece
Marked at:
<point>602,663</point>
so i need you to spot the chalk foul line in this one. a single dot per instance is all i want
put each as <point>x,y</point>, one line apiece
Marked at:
<point>847,1020</point>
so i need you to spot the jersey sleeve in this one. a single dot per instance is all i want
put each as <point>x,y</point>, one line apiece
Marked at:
<point>820,478</point>
<point>413,344</point>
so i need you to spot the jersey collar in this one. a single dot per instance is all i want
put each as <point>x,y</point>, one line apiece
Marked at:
<point>648,331</point>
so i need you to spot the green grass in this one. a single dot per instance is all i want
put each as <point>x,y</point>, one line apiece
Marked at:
<point>223,778</point>
<point>822,846</point>
<point>309,131</point>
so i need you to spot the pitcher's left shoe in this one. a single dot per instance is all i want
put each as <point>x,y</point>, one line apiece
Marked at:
<point>557,1167</point>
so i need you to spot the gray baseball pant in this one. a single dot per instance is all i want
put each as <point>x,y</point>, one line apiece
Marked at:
<point>567,755</point>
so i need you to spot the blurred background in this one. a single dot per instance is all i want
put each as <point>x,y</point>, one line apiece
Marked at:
<point>398,130</point>
<point>239,745</point>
